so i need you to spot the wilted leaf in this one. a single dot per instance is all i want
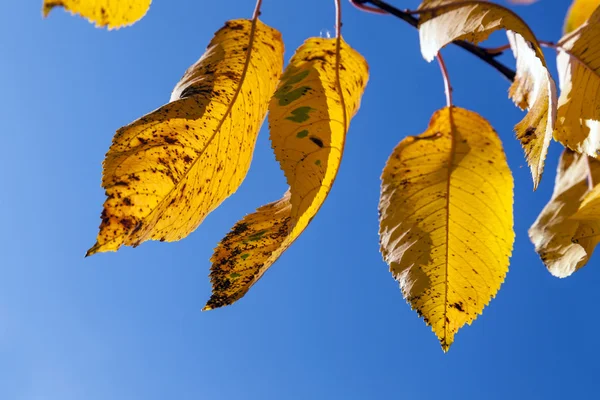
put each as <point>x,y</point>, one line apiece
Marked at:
<point>443,21</point>
<point>565,235</point>
<point>578,122</point>
<point>579,12</point>
<point>111,13</point>
<point>309,117</point>
<point>166,171</point>
<point>446,219</point>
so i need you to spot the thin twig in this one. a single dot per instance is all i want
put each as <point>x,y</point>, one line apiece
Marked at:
<point>497,50</point>
<point>447,86</point>
<point>477,51</point>
<point>257,10</point>
<point>364,7</point>
<point>338,19</point>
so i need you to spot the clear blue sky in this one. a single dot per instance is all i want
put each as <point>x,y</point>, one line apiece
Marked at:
<point>327,321</point>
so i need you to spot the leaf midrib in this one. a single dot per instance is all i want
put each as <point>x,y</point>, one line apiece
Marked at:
<point>219,126</point>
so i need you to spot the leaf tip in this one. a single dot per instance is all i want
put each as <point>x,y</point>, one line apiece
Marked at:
<point>215,302</point>
<point>100,248</point>
<point>93,250</point>
<point>445,346</point>
<point>47,7</point>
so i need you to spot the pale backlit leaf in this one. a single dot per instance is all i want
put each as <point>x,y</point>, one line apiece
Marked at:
<point>443,21</point>
<point>578,61</point>
<point>568,228</point>
<point>446,219</point>
<point>110,13</point>
<point>309,115</point>
<point>578,13</point>
<point>166,171</point>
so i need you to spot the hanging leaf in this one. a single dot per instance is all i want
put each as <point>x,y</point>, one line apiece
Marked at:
<point>446,219</point>
<point>578,61</point>
<point>166,171</point>
<point>309,115</point>
<point>443,21</point>
<point>589,210</point>
<point>568,228</point>
<point>578,13</point>
<point>111,13</point>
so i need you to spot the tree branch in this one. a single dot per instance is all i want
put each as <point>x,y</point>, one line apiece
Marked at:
<point>479,52</point>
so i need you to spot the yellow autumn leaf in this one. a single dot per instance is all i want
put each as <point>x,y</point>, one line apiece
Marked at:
<point>446,219</point>
<point>567,230</point>
<point>578,62</point>
<point>579,12</point>
<point>443,21</point>
<point>309,115</point>
<point>166,171</point>
<point>589,210</point>
<point>111,13</point>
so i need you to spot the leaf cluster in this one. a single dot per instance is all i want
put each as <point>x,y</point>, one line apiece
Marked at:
<point>446,205</point>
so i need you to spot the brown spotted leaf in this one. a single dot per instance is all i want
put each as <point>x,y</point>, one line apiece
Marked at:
<point>443,21</point>
<point>446,219</point>
<point>166,171</point>
<point>110,13</point>
<point>568,228</point>
<point>309,116</point>
<point>578,61</point>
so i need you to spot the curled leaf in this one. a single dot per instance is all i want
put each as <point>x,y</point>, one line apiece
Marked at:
<point>166,171</point>
<point>579,12</point>
<point>309,116</point>
<point>568,228</point>
<point>110,13</point>
<point>446,219</point>
<point>578,61</point>
<point>443,21</point>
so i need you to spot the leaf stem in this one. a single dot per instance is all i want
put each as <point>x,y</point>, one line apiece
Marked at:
<point>479,52</point>
<point>498,50</point>
<point>447,85</point>
<point>338,19</point>
<point>257,10</point>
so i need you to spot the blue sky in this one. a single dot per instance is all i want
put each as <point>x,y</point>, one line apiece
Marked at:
<point>327,321</point>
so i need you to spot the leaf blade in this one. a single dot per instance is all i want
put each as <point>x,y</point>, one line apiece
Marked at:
<point>443,21</point>
<point>578,62</point>
<point>169,169</point>
<point>563,239</point>
<point>103,12</point>
<point>446,219</point>
<point>578,13</point>
<point>309,116</point>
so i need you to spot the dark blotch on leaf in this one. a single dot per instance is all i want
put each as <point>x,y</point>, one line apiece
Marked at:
<point>316,141</point>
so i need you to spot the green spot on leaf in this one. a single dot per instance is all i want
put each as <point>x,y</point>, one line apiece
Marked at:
<point>300,114</point>
<point>286,97</point>
<point>318,162</point>
<point>257,236</point>
<point>244,256</point>
<point>297,78</point>
<point>234,275</point>
<point>302,134</point>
